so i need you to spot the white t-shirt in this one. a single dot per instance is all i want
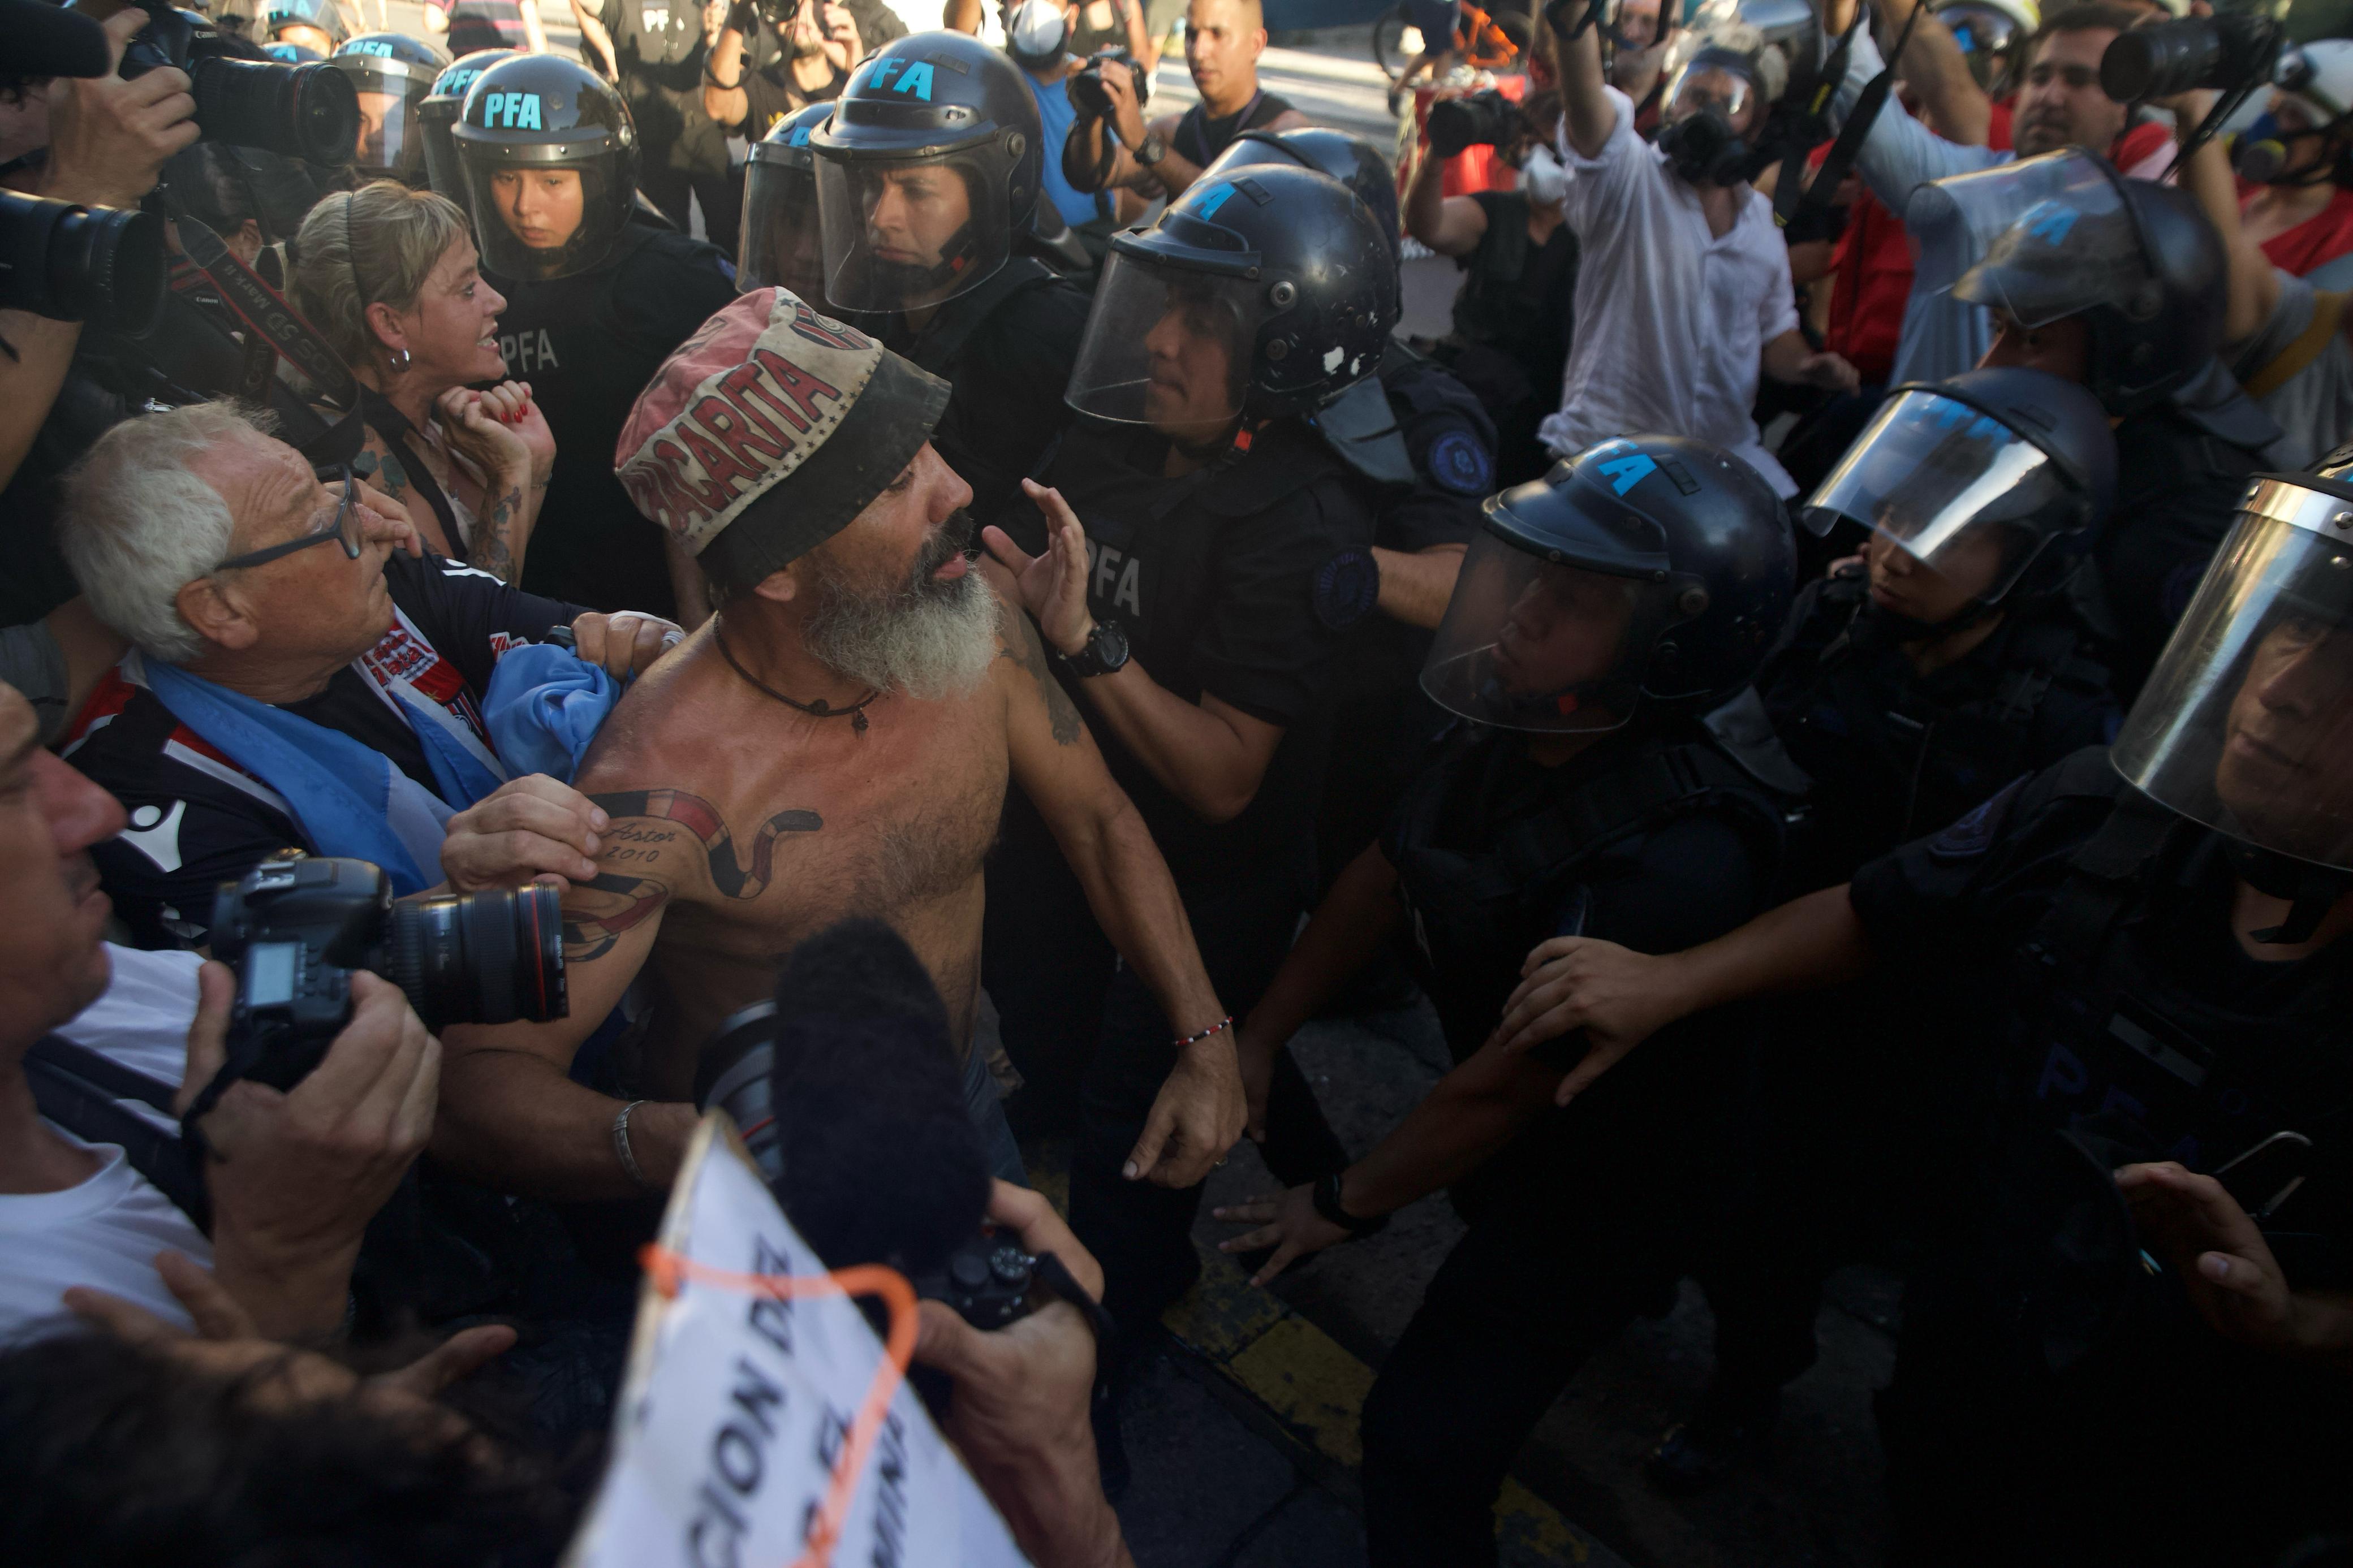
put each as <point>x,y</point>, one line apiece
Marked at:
<point>106,1231</point>
<point>1670,319</point>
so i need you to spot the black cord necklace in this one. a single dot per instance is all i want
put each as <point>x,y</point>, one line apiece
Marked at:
<point>820,709</point>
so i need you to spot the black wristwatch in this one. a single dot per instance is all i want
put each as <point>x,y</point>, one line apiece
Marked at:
<point>1105,652</point>
<point>1151,150</point>
<point>1327,1196</point>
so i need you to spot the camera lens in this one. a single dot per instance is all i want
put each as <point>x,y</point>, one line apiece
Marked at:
<point>72,263</point>
<point>311,113</point>
<point>2160,60</point>
<point>481,958</point>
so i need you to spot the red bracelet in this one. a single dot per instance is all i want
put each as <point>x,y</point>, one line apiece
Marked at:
<point>1225,1022</point>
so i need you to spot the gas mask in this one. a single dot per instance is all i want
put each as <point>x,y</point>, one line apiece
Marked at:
<point>1542,179</point>
<point>1035,33</point>
<point>2260,154</point>
<point>1703,147</point>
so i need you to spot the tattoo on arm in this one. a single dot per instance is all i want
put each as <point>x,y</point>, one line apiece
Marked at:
<point>1018,639</point>
<point>597,917</point>
<point>494,546</point>
<point>673,820</point>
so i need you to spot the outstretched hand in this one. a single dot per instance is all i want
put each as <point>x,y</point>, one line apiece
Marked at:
<point>1616,996</point>
<point>1194,1119</point>
<point>1053,585</point>
<point>2226,1267</point>
<point>1287,1222</point>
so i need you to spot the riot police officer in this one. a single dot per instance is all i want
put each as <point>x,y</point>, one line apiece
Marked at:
<point>2141,953</point>
<point>655,51</point>
<point>1610,772</point>
<point>783,245</point>
<point>1198,601</point>
<point>393,73</point>
<point>1916,682</point>
<point>927,172</point>
<point>313,24</point>
<point>437,119</point>
<point>595,303</point>
<point>2121,285</point>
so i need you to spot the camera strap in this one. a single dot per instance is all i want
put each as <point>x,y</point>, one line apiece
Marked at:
<point>1803,205</point>
<point>276,326</point>
<point>81,1091</point>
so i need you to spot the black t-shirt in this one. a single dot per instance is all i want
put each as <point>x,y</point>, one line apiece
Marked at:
<point>1200,138</point>
<point>1007,372</point>
<point>2176,494</point>
<point>660,52</point>
<point>2218,1050</point>
<point>199,819</point>
<point>589,345</point>
<point>1518,296</point>
<point>1893,753</point>
<point>1236,582</point>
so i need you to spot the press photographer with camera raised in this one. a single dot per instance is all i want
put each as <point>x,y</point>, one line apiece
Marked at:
<point>1112,148</point>
<point>292,1178</point>
<point>594,302</point>
<point>299,678</point>
<point>1038,37</point>
<point>1513,315</point>
<point>389,276</point>
<point>1684,297</point>
<point>928,174</point>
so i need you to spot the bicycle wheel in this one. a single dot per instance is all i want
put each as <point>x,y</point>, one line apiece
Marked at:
<point>1392,34</point>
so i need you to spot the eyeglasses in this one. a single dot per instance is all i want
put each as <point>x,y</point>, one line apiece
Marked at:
<point>345,531</point>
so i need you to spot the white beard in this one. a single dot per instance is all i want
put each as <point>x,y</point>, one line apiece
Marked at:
<point>933,642</point>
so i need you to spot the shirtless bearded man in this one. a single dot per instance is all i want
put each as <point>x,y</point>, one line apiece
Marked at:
<point>835,741</point>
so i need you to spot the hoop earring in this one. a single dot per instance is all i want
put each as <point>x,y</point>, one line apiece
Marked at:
<point>399,361</point>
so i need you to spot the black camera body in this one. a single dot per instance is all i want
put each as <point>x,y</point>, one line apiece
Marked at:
<point>297,927</point>
<point>307,111</point>
<point>1478,120</point>
<point>988,1279</point>
<point>1087,83</point>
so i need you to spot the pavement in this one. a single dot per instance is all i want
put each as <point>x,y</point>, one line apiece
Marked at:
<point>1241,1425</point>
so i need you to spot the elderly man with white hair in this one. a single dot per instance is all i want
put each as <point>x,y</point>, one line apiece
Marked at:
<point>301,675</point>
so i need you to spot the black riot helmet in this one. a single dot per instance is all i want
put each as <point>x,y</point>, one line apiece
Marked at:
<point>393,74</point>
<point>2246,723</point>
<point>783,245</point>
<point>929,166</point>
<point>2136,259</point>
<point>1351,160</point>
<point>1994,479</point>
<point>437,117</point>
<point>550,157</point>
<point>1648,572</point>
<point>1267,293</point>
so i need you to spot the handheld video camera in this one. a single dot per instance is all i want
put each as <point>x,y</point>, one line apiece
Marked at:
<point>1478,120</point>
<point>1087,83</point>
<point>307,111</point>
<point>297,927</point>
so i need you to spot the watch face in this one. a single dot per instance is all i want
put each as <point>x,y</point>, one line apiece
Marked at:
<point>1110,643</point>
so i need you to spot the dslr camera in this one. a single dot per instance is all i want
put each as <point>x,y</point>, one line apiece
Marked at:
<point>2227,51</point>
<point>1087,83</point>
<point>307,111</point>
<point>73,263</point>
<point>297,927</point>
<point>1486,118</point>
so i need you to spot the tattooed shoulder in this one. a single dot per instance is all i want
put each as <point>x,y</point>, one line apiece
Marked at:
<point>1018,639</point>
<point>680,839</point>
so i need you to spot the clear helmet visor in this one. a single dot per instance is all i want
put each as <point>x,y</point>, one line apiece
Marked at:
<point>900,234</point>
<point>1984,36</point>
<point>1543,646</point>
<point>783,244</point>
<point>392,130</point>
<point>1957,488</point>
<point>1699,86</point>
<point>436,122</point>
<point>1955,224</point>
<point>1167,346</point>
<point>2246,725</point>
<point>540,219</point>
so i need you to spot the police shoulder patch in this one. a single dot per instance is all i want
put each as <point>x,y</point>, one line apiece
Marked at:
<point>1973,835</point>
<point>1347,586</point>
<point>1459,462</point>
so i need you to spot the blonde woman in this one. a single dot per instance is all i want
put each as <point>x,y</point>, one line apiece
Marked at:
<point>389,276</point>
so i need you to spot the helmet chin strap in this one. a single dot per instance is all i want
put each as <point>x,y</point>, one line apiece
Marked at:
<point>958,254</point>
<point>2312,889</point>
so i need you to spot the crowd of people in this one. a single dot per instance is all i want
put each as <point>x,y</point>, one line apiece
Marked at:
<point>1834,679</point>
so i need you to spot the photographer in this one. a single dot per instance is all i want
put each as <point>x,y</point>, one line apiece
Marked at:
<point>292,1178</point>
<point>1514,313</point>
<point>1111,148</point>
<point>775,58</point>
<point>1683,295</point>
<point>1037,35</point>
<point>390,278</point>
<point>281,694</point>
